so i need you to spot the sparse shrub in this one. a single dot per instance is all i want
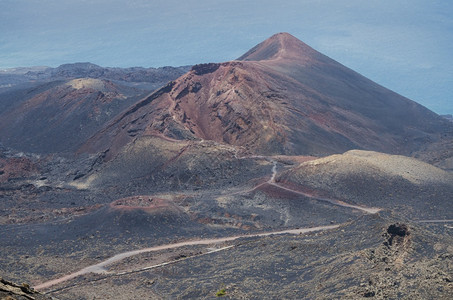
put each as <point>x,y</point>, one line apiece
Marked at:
<point>221,293</point>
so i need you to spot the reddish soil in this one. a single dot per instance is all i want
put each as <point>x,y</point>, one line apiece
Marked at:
<point>146,203</point>
<point>276,192</point>
<point>282,97</point>
<point>16,168</point>
<point>294,159</point>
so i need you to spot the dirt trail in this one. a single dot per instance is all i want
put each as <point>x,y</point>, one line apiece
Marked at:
<point>369,210</point>
<point>100,267</point>
<point>434,221</point>
<point>274,171</point>
<point>271,181</point>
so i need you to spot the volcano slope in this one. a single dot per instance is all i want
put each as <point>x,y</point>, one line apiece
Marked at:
<point>57,117</point>
<point>281,97</point>
<point>229,149</point>
<point>56,110</point>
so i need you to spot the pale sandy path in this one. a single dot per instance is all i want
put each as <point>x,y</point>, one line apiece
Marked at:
<point>100,267</point>
<point>434,221</point>
<point>369,210</point>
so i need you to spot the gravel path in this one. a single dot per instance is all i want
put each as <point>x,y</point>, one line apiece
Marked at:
<point>100,267</point>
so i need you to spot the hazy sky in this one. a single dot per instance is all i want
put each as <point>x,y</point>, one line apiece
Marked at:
<point>404,45</point>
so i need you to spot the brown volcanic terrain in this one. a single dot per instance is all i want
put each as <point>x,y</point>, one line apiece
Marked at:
<point>59,117</point>
<point>155,163</point>
<point>366,259</point>
<point>226,150</point>
<point>282,97</point>
<point>415,189</point>
<point>54,110</point>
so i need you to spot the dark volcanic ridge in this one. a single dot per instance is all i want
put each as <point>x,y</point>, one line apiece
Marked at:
<point>57,110</point>
<point>151,78</point>
<point>58,117</point>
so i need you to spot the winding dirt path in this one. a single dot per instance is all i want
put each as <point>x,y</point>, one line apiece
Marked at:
<point>271,181</point>
<point>101,267</point>
<point>368,210</point>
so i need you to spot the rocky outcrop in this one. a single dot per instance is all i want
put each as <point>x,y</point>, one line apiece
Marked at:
<point>12,291</point>
<point>202,69</point>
